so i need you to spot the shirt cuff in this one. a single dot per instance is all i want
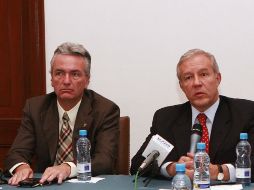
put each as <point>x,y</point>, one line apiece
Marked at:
<point>231,170</point>
<point>163,170</point>
<point>15,166</point>
<point>73,169</point>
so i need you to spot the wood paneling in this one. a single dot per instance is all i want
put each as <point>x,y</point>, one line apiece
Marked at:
<point>22,61</point>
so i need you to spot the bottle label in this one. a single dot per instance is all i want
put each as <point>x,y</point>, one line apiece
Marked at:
<point>203,186</point>
<point>83,168</point>
<point>242,172</point>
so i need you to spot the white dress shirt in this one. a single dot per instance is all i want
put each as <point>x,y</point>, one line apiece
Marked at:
<point>72,113</point>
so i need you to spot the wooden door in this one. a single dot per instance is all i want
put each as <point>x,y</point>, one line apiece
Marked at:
<point>22,63</point>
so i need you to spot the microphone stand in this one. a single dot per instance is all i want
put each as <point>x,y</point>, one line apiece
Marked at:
<point>143,172</point>
<point>155,170</point>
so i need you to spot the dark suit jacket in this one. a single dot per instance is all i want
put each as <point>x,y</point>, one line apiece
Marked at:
<point>39,131</point>
<point>173,123</point>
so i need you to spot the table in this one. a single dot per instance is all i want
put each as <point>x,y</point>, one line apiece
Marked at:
<point>111,182</point>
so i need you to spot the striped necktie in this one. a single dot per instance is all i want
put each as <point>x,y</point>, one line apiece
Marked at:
<point>64,150</point>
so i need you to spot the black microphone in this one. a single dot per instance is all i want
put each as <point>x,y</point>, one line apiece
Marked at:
<point>157,149</point>
<point>149,159</point>
<point>196,134</point>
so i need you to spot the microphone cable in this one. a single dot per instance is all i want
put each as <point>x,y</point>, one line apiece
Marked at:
<point>136,181</point>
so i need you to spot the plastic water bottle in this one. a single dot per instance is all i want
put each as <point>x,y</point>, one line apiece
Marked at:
<point>181,181</point>
<point>83,157</point>
<point>243,163</point>
<point>201,179</point>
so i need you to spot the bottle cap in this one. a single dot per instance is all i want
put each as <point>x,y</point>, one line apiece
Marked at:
<point>83,132</point>
<point>201,146</point>
<point>180,167</point>
<point>243,136</point>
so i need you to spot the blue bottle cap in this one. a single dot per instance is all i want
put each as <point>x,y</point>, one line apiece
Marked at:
<point>243,136</point>
<point>180,167</point>
<point>83,132</point>
<point>201,146</point>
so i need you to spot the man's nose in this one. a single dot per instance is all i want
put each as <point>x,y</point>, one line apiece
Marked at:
<point>67,78</point>
<point>197,80</point>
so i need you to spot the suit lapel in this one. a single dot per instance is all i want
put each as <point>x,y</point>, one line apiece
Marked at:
<point>51,128</point>
<point>182,131</point>
<point>84,119</point>
<point>220,128</point>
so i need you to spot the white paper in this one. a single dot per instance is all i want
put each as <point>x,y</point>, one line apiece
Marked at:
<point>160,144</point>
<point>227,187</point>
<point>93,180</point>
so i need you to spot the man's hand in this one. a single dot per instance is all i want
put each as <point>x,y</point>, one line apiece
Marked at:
<point>214,172</point>
<point>20,173</point>
<point>60,172</point>
<point>189,165</point>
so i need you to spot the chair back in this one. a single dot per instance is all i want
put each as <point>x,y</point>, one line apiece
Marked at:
<point>123,161</point>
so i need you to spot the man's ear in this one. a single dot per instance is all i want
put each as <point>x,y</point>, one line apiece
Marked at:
<point>87,81</point>
<point>51,81</point>
<point>180,84</point>
<point>218,77</point>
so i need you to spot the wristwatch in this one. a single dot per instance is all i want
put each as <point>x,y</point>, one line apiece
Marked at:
<point>220,175</point>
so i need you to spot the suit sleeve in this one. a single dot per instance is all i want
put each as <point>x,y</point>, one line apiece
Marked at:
<point>251,141</point>
<point>106,143</point>
<point>22,149</point>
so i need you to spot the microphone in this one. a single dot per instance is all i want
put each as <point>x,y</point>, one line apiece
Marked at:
<point>157,149</point>
<point>149,159</point>
<point>196,134</point>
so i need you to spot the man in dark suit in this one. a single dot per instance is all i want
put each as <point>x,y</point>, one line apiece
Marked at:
<point>42,122</point>
<point>226,118</point>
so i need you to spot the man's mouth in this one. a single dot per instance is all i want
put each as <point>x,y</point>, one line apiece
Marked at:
<point>65,90</point>
<point>199,94</point>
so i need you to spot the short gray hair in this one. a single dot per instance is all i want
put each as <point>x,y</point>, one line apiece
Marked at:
<point>69,48</point>
<point>193,52</point>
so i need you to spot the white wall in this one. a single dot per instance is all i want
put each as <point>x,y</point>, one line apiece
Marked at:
<point>135,45</point>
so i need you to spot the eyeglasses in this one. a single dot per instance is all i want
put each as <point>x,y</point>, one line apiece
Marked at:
<point>2,180</point>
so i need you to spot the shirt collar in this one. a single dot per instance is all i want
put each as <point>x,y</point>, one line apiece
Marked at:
<point>72,113</point>
<point>210,112</point>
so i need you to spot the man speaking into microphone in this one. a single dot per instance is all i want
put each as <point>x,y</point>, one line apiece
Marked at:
<point>222,119</point>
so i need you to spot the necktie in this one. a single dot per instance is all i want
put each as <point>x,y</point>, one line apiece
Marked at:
<point>205,136</point>
<point>64,150</point>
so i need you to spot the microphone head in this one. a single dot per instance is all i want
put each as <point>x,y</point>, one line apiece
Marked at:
<point>156,154</point>
<point>197,129</point>
<point>196,134</point>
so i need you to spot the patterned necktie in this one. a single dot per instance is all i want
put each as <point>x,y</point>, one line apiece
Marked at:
<point>64,150</point>
<point>205,136</point>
